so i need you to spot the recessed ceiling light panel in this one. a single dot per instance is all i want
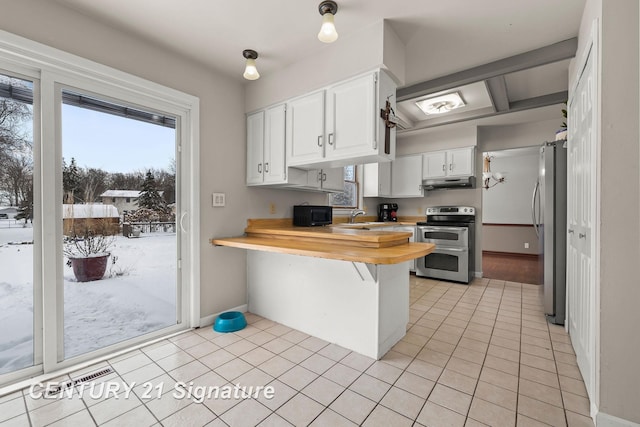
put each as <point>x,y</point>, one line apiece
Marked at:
<point>441,104</point>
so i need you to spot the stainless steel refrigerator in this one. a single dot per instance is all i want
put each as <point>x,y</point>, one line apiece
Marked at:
<point>549,217</point>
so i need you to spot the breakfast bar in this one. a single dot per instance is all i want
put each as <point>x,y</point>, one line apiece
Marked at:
<point>348,285</point>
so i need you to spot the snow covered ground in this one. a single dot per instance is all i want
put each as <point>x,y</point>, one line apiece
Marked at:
<point>136,296</point>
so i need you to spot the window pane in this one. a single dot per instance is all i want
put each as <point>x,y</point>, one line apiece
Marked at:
<point>16,225</point>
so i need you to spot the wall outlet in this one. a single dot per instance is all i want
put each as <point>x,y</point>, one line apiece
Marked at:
<point>272,208</point>
<point>218,200</point>
<point>526,245</point>
<point>420,211</point>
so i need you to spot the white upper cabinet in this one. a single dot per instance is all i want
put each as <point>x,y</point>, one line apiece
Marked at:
<point>434,164</point>
<point>329,180</point>
<point>305,129</point>
<point>458,162</point>
<point>255,148</point>
<point>274,144</point>
<point>461,162</point>
<point>350,119</point>
<point>406,176</point>
<point>341,125</point>
<point>377,180</point>
<point>266,146</point>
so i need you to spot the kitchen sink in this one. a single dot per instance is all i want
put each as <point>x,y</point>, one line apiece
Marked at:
<point>359,224</point>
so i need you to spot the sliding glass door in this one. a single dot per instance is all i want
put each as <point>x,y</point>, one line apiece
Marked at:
<point>98,211</point>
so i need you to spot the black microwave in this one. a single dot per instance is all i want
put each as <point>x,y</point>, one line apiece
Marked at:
<point>309,215</point>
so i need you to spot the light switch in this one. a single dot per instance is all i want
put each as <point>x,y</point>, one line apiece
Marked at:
<point>218,200</point>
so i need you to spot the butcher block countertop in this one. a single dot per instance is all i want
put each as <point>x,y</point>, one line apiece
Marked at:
<point>363,244</point>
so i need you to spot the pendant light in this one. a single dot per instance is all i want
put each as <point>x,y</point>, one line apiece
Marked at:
<point>250,70</point>
<point>491,179</point>
<point>328,33</point>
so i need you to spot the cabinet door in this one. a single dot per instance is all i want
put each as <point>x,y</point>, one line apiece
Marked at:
<point>434,165</point>
<point>333,179</point>
<point>406,176</point>
<point>350,121</point>
<point>274,145</point>
<point>305,129</point>
<point>255,145</point>
<point>377,179</point>
<point>461,162</point>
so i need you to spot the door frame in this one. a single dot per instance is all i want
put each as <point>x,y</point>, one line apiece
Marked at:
<point>52,67</point>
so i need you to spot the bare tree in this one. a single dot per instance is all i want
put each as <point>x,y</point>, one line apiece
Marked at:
<point>18,178</point>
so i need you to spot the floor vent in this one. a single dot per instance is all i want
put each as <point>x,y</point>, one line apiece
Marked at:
<point>72,383</point>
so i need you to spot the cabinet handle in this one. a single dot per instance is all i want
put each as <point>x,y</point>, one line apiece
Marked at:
<point>582,235</point>
<point>320,176</point>
<point>450,166</point>
<point>330,139</point>
<point>324,177</point>
<point>570,231</point>
<point>259,167</point>
<point>444,168</point>
<point>320,141</point>
<point>266,167</point>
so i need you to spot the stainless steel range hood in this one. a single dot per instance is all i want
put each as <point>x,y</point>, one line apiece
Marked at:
<point>462,182</point>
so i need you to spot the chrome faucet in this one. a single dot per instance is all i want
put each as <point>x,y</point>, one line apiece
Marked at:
<point>354,213</point>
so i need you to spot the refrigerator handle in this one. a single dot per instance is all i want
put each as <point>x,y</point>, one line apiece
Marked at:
<point>534,220</point>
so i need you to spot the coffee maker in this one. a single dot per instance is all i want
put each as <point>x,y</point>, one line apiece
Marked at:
<point>387,212</point>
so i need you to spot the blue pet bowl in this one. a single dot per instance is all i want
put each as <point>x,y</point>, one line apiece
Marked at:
<point>230,321</point>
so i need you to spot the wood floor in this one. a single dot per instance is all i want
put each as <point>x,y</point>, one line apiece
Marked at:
<point>512,267</point>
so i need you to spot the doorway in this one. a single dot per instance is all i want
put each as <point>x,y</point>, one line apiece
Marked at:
<point>510,246</point>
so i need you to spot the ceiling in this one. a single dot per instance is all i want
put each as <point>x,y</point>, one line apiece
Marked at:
<point>441,37</point>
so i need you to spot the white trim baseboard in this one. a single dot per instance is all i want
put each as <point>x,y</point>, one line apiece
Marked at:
<point>606,420</point>
<point>208,320</point>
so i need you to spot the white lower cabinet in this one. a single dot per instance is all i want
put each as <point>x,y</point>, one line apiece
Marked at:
<point>409,229</point>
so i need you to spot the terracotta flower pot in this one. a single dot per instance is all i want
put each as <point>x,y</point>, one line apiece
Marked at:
<point>88,269</point>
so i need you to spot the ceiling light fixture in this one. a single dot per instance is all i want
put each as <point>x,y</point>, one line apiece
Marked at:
<point>488,176</point>
<point>441,104</point>
<point>328,33</point>
<point>250,70</point>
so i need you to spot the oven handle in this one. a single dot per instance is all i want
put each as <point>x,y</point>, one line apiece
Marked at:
<point>438,228</point>
<point>447,249</point>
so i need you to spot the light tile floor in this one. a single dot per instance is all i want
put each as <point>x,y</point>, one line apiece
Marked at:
<point>473,355</point>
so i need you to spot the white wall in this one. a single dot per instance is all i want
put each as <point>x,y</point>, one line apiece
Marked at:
<point>510,201</point>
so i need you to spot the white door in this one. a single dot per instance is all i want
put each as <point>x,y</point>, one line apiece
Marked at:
<point>434,165</point>
<point>255,147</point>
<point>274,143</point>
<point>581,180</point>
<point>305,129</point>
<point>350,126</point>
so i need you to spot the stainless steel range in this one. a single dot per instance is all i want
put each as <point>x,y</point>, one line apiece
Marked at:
<point>452,230</point>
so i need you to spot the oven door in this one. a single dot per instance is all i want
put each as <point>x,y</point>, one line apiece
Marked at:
<point>441,235</point>
<point>445,262</point>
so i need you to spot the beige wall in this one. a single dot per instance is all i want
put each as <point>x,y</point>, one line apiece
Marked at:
<point>619,201</point>
<point>222,132</point>
<point>509,238</point>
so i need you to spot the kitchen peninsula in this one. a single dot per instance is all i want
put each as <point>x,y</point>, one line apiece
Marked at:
<point>348,285</point>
